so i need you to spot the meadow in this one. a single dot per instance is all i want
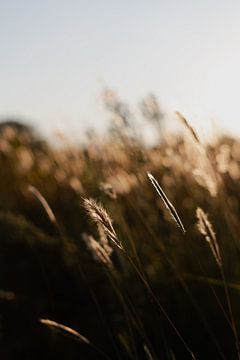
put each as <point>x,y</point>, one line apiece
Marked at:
<point>114,249</point>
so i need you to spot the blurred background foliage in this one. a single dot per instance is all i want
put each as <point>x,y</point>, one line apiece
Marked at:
<point>47,271</point>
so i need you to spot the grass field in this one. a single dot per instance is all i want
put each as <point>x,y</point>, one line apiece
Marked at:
<point>118,250</point>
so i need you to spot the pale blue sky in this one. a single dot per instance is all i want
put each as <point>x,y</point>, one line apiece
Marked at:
<point>56,55</point>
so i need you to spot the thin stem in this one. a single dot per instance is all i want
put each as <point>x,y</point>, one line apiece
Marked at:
<point>163,311</point>
<point>233,324</point>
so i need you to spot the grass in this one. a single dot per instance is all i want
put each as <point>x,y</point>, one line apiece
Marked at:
<point>90,251</point>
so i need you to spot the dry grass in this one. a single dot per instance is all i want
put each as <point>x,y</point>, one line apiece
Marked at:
<point>205,228</point>
<point>103,221</point>
<point>167,202</point>
<point>66,330</point>
<point>151,293</point>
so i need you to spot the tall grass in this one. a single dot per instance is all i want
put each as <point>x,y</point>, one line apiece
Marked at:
<point>106,261</point>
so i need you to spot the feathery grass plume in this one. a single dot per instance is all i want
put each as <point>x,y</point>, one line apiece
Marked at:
<point>65,330</point>
<point>205,228</point>
<point>97,250</point>
<point>166,201</point>
<point>101,218</point>
<point>188,126</point>
<point>204,172</point>
<point>43,202</point>
<point>103,240</point>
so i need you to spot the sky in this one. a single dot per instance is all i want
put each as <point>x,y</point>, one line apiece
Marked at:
<point>56,56</point>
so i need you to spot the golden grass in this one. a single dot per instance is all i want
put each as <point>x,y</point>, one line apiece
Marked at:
<point>149,295</point>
